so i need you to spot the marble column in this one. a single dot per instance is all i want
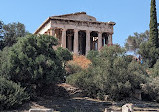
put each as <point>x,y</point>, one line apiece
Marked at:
<point>75,41</point>
<point>110,39</point>
<point>99,40</point>
<point>63,38</point>
<point>52,32</point>
<point>87,41</point>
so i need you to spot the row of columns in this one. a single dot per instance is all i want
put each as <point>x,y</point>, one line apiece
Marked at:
<point>87,39</point>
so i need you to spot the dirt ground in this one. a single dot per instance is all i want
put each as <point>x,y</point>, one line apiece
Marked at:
<point>76,103</point>
<point>83,104</point>
<point>67,105</point>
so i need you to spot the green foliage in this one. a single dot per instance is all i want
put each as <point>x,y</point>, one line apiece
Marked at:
<point>149,53</point>
<point>1,44</point>
<point>33,63</point>
<point>112,74</point>
<point>3,60</point>
<point>10,32</point>
<point>149,50</point>
<point>133,42</point>
<point>153,25</point>
<point>1,29</point>
<point>155,70</point>
<point>64,54</point>
<point>72,68</point>
<point>1,36</point>
<point>151,89</point>
<point>11,94</point>
<point>92,55</point>
<point>83,80</point>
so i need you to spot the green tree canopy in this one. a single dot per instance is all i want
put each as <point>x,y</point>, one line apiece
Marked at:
<point>153,25</point>
<point>155,70</point>
<point>33,62</point>
<point>149,53</point>
<point>1,31</point>
<point>1,36</point>
<point>133,42</point>
<point>11,94</point>
<point>10,32</point>
<point>149,50</point>
<point>64,55</point>
<point>92,55</point>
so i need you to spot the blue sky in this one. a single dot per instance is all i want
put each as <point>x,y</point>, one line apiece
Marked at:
<point>130,15</point>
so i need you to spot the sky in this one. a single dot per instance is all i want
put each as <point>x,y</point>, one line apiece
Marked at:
<point>129,15</point>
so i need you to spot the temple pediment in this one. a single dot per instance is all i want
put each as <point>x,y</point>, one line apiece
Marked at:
<point>80,16</point>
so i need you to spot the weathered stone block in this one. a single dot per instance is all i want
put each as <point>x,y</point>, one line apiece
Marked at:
<point>128,108</point>
<point>41,110</point>
<point>107,110</point>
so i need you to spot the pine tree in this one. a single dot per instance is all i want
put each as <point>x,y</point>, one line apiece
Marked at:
<point>153,25</point>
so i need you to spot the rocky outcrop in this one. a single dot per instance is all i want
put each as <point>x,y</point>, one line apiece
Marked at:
<point>72,91</point>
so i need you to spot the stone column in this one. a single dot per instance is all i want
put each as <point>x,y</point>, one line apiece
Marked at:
<point>52,32</point>
<point>75,41</point>
<point>110,39</point>
<point>99,40</point>
<point>63,38</point>
<point>87,41</point>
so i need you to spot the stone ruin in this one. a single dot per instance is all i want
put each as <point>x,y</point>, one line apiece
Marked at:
<point>78,32</point>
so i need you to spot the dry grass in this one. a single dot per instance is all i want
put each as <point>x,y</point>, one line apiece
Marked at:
<point>81,60</point>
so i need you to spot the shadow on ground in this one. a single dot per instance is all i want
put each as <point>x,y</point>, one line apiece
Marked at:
<point>73,105</point>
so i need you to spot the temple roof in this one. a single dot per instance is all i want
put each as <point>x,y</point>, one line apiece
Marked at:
<point>80,16</point>
<point>64,15</point>
<point>76,17</point>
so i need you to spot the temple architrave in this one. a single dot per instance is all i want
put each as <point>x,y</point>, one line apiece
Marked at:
<point>78,32</point>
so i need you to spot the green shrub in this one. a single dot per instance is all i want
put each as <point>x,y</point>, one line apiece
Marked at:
<point>100,96</point>
<point>155,69</point>
<point>151,89</point>
<point>64,54</point>
<point>11,94</point>
<point>84,81</point>
<point>112,73</point>
<point>3,61</point>
<point>33,63</point>
<point>149,53</point>
<point>92,55</point>
<point>72,67</point>
<point>74,79</point>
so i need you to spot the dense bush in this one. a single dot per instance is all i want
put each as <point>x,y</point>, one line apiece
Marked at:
<point>85,81</point>
<point>4,60</point>
<point>151,89</point>
<point>111,73</point>
<point>11,94</point>
<point>92,55</point>
<point>33,63</point>
<point>149,53</point>
<point>64,54</point>
<point>73,67</point>
<point>155,69</point>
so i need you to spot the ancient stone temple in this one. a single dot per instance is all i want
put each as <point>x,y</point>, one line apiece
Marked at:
<point>78,32</point>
